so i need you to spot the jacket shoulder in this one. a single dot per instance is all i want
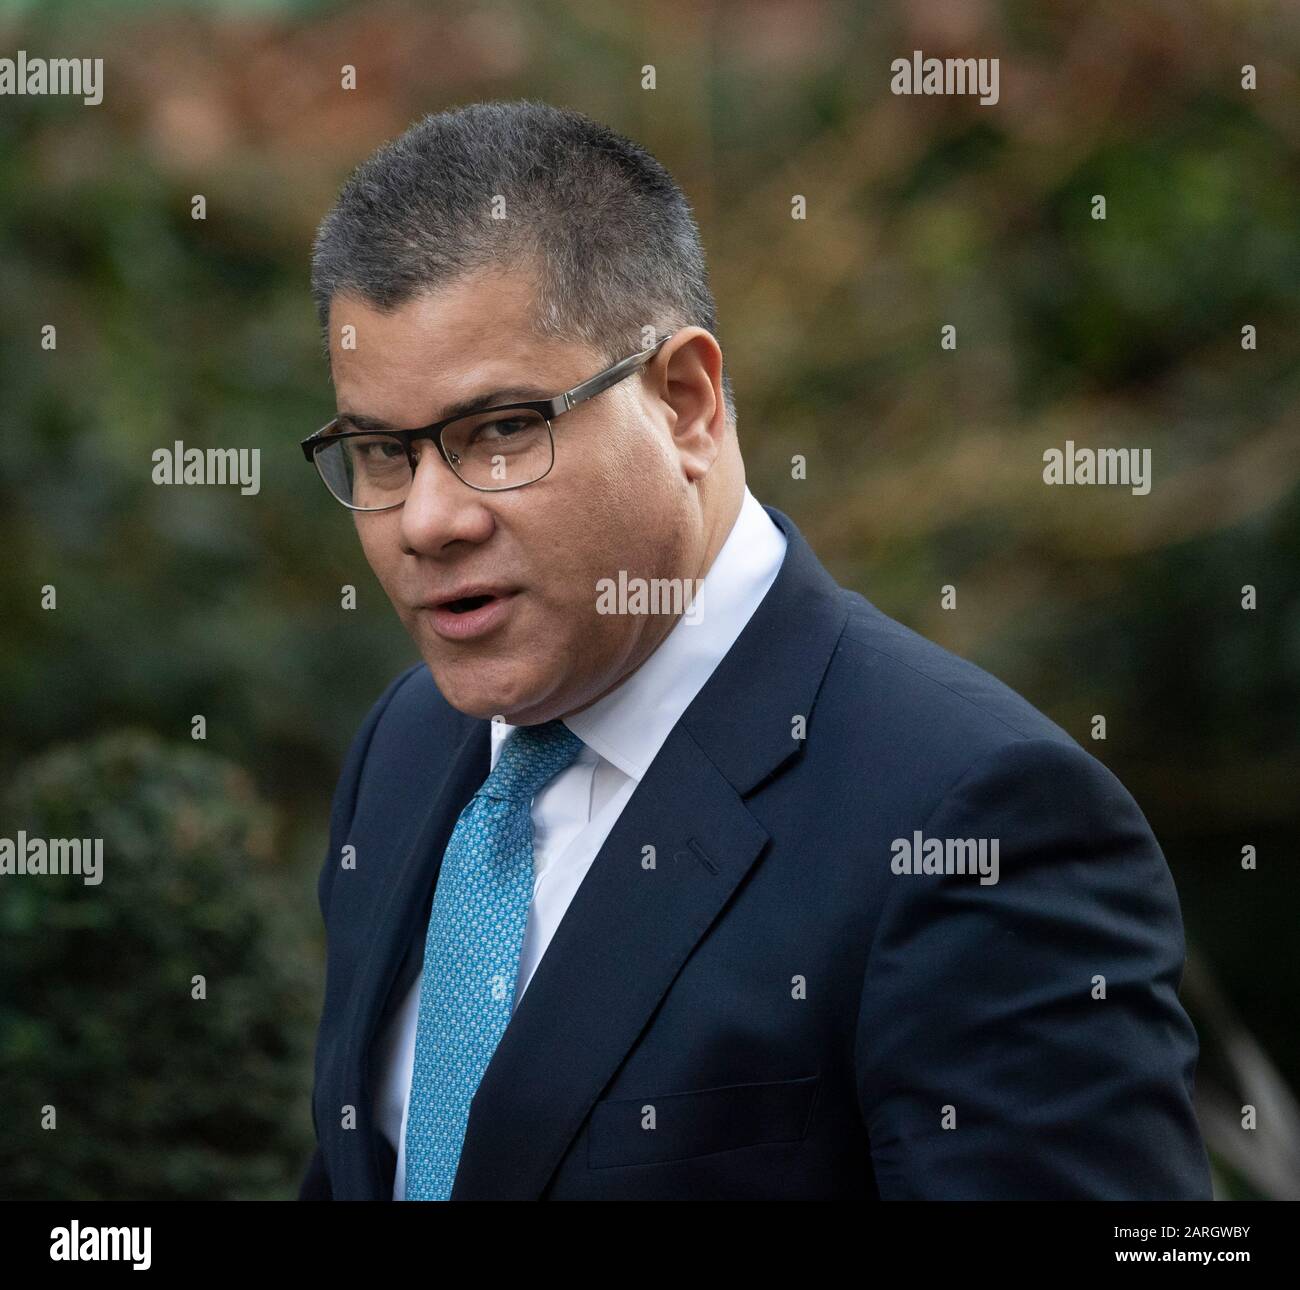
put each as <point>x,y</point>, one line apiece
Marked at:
<point>905,687</point>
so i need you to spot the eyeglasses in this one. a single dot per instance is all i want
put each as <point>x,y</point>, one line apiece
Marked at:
<point>372,470</point>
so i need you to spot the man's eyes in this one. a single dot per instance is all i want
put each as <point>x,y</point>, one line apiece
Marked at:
<point>506,427</point>
<point>385,449</point>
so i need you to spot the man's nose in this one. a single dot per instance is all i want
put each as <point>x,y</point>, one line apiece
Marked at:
<point>440,508</point>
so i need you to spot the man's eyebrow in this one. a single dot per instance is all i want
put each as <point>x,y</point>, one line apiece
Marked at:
<point>507,394</point>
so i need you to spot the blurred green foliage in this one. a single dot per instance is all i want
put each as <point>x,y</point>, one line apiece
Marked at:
<point>157,1094</point>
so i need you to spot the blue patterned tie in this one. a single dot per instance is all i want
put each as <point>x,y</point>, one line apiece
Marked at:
<point>471,952</point>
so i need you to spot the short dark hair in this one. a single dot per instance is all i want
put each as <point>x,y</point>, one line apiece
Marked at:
<point>607,235</point>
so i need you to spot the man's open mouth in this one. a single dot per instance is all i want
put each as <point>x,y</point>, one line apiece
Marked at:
<point>466,603</point>
<point>469,616</point>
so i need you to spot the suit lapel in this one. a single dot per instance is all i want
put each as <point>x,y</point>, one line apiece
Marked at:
<point>630,929</point>
<point>396,931</point>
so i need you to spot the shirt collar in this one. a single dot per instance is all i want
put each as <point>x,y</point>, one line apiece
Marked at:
<point>628,725</point>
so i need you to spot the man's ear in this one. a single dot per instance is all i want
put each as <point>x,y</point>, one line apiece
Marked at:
<point>691,384</point>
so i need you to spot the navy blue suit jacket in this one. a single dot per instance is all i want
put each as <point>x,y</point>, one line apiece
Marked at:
<point>806,1023</point>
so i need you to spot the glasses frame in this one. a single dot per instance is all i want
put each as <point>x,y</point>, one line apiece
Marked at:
<point>548,409</point>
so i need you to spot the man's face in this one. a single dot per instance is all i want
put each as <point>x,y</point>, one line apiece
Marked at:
<point>619,497</point>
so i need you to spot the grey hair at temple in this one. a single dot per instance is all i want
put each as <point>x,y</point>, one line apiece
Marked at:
<point>606,234</point>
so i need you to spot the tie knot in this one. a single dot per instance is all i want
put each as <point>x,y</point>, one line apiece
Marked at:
<point>530,757</point>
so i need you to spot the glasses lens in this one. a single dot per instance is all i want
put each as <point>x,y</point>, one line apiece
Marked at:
<point>369,472</point>
<point>502,449</point>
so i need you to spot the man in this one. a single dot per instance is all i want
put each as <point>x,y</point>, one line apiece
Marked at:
<point>676,871</point>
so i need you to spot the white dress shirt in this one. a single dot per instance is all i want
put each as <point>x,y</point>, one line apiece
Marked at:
<point>622,732</point>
